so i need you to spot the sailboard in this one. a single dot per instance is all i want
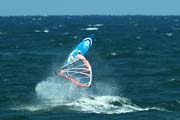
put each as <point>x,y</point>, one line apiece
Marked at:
<point>79,71</point>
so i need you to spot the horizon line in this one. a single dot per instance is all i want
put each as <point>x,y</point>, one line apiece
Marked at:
<point>46,15</point>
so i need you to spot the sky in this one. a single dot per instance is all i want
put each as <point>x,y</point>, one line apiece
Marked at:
<point>89,7</point>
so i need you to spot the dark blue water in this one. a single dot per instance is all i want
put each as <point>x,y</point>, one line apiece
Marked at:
<point>135,61</point>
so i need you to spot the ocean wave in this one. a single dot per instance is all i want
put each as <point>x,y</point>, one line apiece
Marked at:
<point>106,105</point>
<point>56,92</point>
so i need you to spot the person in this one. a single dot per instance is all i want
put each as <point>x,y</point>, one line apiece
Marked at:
<point>79,52</point>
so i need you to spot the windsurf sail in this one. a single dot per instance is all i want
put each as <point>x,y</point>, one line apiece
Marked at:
<point>78,71</point>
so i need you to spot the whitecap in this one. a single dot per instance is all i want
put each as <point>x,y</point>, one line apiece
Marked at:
<point>176,20</point>
<point>138,37</point>
<point>98,25</point>
<point>139,48</point>
<point>37,31</point>
<point>2,33</point>
<point>106,105</point>
<point>113,54</point>
<point>75,37</point>
<point>89,25</point>
<point>34,19</point>
<point>60,43</point>
<point>46,31</point>
<point>66,33</point>
<point>58,92</point>
<point>60,25</point>
<point>175,28</point>
<point>91,28</point>
<point>169,34</point>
